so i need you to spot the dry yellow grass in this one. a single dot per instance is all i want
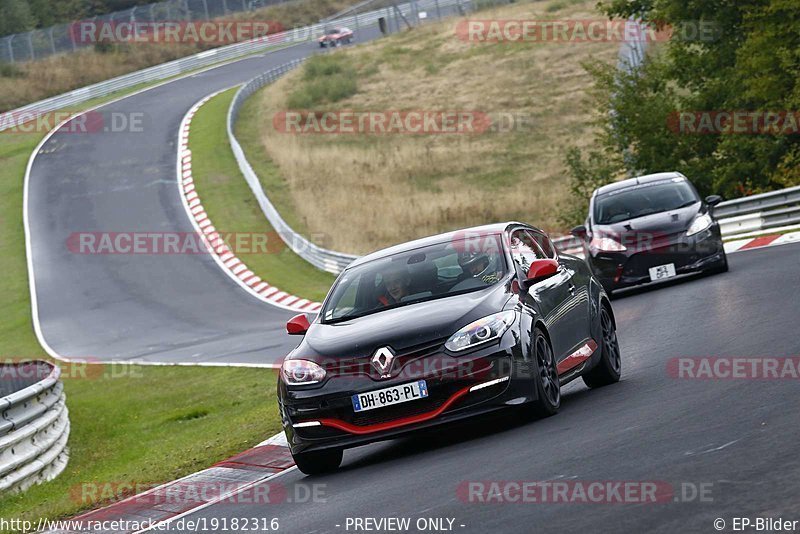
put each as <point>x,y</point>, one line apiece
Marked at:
<point>369,191</point>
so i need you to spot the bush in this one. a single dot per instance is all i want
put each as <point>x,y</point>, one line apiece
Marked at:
<point>10,70</point>
<point>326,79</point>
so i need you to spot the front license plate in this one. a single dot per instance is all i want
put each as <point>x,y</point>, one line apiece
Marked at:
<point>662,271</point>
<point>388,396</point>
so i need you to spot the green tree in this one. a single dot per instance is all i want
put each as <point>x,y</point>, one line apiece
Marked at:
<point>750,63</point>
<point>16,17</point>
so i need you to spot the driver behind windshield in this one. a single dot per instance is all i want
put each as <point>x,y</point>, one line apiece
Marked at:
<point>397,281</point>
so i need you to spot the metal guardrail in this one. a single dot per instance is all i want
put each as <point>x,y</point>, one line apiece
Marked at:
<point>34,427</point>
<point>759,212</point>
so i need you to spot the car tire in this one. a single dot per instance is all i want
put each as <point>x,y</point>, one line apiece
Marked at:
<point>548,388</point>
<point>317,462</point>
<point>609,369</point>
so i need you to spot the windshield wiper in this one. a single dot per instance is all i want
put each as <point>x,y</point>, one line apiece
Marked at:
<point>685,204</point>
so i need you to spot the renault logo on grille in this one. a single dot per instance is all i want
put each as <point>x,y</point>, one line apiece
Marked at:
<point>382,361</point>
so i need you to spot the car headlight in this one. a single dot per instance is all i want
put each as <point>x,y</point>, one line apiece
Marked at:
<point>606,244</point>
<point>301,372</point>
<point>700,223</point>
<point>481,331</point>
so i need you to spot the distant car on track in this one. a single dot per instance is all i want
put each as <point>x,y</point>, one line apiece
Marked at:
<point>440,329</point>
<point>336,37</point>
<point>651,228</point>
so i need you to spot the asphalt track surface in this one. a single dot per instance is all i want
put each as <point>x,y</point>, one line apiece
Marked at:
<point>736,439</point>
<point>148,308</point>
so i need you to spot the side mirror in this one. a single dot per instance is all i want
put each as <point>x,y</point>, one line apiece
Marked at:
<point>298,325</point>
<point>579,232</point>
<point>713,200</point>
<point>540,270</point>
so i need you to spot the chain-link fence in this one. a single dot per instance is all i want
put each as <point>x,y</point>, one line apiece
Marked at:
<point>63,38</point>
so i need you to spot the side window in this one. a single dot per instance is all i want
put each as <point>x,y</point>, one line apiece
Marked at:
<point>545,244</point>
<point>524,250</point>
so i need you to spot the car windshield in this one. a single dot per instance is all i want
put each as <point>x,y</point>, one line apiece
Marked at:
<point>644,199</point>
<point>333,31</point>
<point>432,272</point>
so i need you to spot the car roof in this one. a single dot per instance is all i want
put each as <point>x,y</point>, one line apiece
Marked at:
<point>616,186</point>
<point>487,229</point>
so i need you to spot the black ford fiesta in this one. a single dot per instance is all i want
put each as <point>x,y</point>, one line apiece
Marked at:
<point>439,329</point>
<point>649,229</point>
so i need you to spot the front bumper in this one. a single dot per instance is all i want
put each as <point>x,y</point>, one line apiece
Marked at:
<point>618,270</point>
<point>321,418</point>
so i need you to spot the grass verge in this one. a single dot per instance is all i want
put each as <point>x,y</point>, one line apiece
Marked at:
<point>142,424</point>
<point>232,207</point>
<point>370,190</point>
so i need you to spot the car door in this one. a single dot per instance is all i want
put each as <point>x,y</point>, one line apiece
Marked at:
<point>551,297</point>
<point>577,317</point>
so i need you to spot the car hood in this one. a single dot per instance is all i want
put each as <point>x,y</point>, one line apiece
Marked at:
<point>401,328</point>
<point>657,225</point>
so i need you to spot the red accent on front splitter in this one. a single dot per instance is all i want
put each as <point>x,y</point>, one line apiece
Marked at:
<point>577,357</point>
<point>369,429</point>
<point>762,241</point>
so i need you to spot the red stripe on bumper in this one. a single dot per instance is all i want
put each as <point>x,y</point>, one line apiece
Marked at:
<point>369,429</point>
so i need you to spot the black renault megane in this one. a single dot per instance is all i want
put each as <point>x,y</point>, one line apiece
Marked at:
<point>651,228</point>
<point>440,329</point>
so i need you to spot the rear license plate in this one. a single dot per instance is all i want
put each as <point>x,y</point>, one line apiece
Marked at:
<point>389,396</point>
<point>662,272</point>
